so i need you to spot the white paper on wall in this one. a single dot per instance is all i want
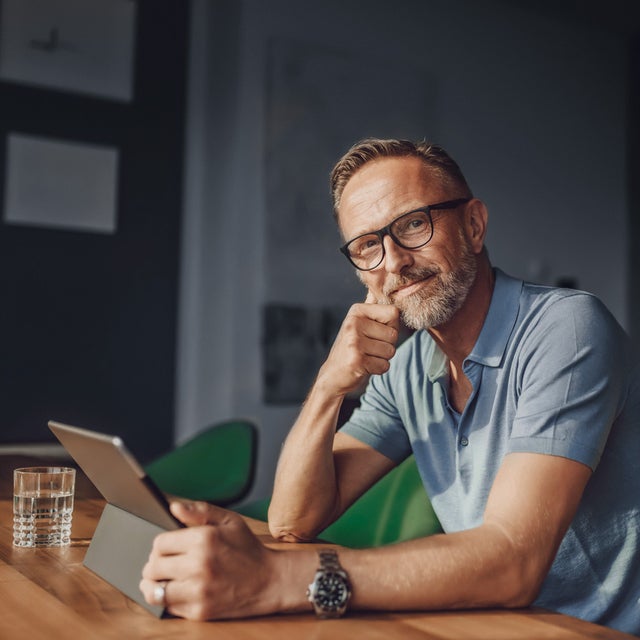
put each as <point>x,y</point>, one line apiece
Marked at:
<point>60,184</point>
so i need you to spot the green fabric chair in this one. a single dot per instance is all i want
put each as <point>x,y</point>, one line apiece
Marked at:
<point>217,465</point>
<point>395,509</point>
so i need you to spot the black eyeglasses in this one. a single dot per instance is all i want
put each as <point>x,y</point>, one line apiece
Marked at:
<point>411,230</point>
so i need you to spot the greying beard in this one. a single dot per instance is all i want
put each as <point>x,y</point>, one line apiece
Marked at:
<point>438,303</point>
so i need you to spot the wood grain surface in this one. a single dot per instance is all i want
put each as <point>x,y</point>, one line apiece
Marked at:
<point>48,593</point>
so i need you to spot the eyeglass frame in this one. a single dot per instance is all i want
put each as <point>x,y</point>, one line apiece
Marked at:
<point>386,230</point>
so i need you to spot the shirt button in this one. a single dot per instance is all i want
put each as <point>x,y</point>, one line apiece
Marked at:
<point>464,441</point>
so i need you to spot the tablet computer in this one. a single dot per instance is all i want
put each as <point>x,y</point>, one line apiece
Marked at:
<point>116,473</point>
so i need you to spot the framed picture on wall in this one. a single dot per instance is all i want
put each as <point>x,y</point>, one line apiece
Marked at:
<point>60,184</point>
<point>81,46</point>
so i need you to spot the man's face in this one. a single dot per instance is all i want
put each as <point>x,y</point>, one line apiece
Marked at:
<point>428,285</point>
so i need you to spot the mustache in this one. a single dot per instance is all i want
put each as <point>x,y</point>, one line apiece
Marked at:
<point>410,276</point>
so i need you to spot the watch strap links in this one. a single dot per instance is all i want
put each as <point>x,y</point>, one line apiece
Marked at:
<point>329,560</point>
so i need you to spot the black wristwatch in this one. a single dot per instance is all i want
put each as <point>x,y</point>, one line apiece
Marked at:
<point>330,590</point>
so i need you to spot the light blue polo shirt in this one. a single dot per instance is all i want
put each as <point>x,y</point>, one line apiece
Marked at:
<point>552,373</point>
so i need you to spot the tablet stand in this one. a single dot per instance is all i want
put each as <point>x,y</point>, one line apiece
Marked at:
<point>119,550</point>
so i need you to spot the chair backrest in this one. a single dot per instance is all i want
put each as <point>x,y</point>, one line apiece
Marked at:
<point>395,509</point>
<point>217,465</point>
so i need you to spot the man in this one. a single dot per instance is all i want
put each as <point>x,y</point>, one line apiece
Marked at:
<point>520,403</point>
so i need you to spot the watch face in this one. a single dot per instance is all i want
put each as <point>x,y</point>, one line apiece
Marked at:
<point>331,591</point>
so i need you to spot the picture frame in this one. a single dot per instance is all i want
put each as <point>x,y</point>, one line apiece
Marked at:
<point>79,46</point>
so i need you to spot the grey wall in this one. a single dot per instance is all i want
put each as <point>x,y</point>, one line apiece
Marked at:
<point>534,110</point>
<point>633,171</point>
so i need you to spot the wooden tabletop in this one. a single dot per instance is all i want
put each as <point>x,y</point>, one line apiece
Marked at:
<point>48,593</point>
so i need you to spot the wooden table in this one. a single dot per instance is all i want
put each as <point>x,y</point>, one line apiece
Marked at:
<point>48,593</point>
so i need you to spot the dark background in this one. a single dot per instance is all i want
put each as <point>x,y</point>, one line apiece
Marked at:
<point>88,321</point>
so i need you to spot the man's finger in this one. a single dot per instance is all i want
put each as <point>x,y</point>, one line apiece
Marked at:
<point>198,513</point>
<point>383,313</point>
<point>389,315</point>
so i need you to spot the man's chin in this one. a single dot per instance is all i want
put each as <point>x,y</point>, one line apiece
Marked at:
<point>413,314</point>
<point>422,311</point>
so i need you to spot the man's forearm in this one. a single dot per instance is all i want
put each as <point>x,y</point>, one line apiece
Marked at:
<point>472,569</point>
<point>305,495</point>
<point>475,568</point>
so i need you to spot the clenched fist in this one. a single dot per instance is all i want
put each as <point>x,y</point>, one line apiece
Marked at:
<point>364,346</point>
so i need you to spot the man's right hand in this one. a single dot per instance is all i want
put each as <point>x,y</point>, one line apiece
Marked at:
<point>364,346</point>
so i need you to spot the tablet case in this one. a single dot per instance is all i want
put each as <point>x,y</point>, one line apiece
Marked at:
<point>119,550</point>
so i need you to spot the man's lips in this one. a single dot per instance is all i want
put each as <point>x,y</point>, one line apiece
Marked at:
<point>409,288</point>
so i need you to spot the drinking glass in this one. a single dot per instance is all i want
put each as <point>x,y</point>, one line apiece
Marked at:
<point>43,506</point>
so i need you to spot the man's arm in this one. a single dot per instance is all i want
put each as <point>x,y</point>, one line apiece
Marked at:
<point>500,563</point>
<point>320,473</point>
<point>222,570</point>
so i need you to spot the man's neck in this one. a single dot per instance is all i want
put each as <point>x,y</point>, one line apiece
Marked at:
<point>457,337</point>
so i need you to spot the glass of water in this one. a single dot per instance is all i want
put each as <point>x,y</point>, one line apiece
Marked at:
<point>43,506</point>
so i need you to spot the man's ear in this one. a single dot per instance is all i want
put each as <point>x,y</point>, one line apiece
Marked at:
<point>476,217</point>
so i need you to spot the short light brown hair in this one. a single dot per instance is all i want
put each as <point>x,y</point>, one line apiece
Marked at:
<point>434,157</point>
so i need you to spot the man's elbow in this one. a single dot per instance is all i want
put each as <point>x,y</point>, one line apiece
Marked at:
<point>292,525</point>
<point>285,527</point>
<point>286,533</point>
<point>521,596</point>
<point>522,583</point>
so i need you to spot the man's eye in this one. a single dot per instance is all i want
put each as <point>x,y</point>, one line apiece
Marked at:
<point>414,224</point>
<point>365,245</point>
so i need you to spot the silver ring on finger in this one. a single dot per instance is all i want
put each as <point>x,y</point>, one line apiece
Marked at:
<point>160,593</point>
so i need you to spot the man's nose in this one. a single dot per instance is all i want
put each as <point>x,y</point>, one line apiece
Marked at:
<point>395,257</point>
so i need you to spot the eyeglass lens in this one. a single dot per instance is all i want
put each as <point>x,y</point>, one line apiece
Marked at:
<point>410,231</point>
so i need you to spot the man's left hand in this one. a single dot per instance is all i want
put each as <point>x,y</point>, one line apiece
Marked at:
<point>214,568</point>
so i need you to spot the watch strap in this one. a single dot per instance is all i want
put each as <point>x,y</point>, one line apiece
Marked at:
<point>329,560</point>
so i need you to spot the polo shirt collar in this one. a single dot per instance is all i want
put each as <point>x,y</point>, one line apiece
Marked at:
<point>437,364</point>
<point>501,318</point>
